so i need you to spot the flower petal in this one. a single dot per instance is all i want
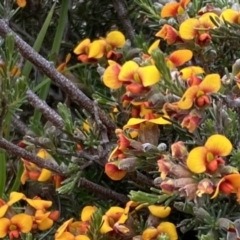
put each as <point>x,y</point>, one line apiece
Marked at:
<point>160,121</point>
<point>149,233</point>
<point>219,145</point>
<point>149,75</point>
<point>133,121</point>
<point>3,210</point>
<point>159,211</point>
<point>45,224</point>
<point>211,83</point>
<point>153,46</point>
<point>87,213</point>
<point>15,197</point>
<point>114,211</point>
<point>39,204</point>
<point>62,228</point>
<point>24,176</point>
<point>170,10</point>
<point>205,20</point>
<point>187,28</point>
<point>187,72</point>
<point>23,221</point>
<point>4,224</point>
<point>82,237</point>
<point>180,57</point>
<point>169,229</point>
<point>233,179</point>
<point>21,3</point>
<point>168,33</point>
<point>127,71</point>
<point>187,99</point>
<point>197,159</point>
<point>113,172</point>
<point>217,188</point>
<point>105,226</point>
<point>42,153</point>
<point>82,47</point>
<point>65,236</point>
<point>116,39</point>
<point>230,15</point>
<point>45,175</point>
<point>96,49</point>
<point>110,76</point>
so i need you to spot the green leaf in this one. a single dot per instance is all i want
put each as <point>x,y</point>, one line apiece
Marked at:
<point>38,43</point>
<point>55,50</point>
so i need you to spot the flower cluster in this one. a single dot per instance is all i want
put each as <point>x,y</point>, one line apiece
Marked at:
<point>119,221</point>
<point>177,130</point>
<point>35,216</point>
<point>35,173</point>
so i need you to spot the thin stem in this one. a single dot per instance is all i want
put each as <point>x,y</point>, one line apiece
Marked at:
<point>15,150</point>
<point>103,192</point>
<point>46,111</point>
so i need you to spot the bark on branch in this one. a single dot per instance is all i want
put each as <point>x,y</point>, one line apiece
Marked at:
<point>15,150</point>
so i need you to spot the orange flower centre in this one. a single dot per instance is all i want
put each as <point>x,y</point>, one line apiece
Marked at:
<point>135,88</point>
<point>34,175</point>
<point>226,187</point>
<point>203,39</point>
<point>13,234</point>
<point>202,101</point>
<point>194,80</point>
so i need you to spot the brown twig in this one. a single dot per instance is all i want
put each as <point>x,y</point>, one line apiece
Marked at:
<point>103,192</point>
<point>15,150</point>
<point>19,126</point>
<point>123,17</point>
<point>80,154</point>
<point>49,70</point>
<point>46,111</point>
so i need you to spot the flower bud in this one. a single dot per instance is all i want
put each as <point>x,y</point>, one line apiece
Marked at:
<point>180,171</point>
<point>188,191</point>
<point>157,181</point>
<point>168,186</point>
<point>179,150</point>
<point>182,182</point>
<point>148,147</point>
<point>164,167</point>
<point>205,186</point>
<point>162,147</point>
<point>123,142</point>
